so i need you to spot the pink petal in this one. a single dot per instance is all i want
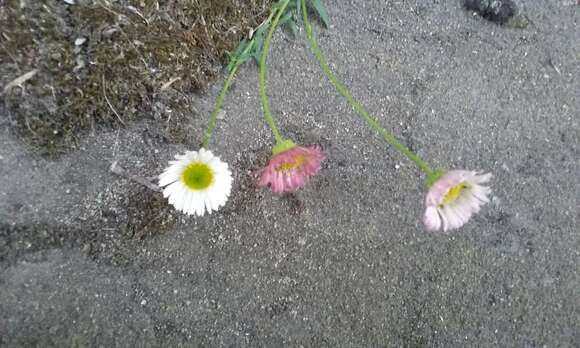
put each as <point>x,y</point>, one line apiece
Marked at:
<point>293,178</point>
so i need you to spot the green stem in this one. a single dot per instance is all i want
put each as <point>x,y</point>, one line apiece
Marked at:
<point>263,97</point>
<point>227,84</point>
<point>218,105</point>
<point>357,107</point>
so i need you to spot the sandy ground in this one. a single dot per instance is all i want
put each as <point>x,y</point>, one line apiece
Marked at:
<point>91,259</point>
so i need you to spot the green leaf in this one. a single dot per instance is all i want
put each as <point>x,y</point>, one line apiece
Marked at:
<point>288,16</point>
<point>259,33</point>
<point>258,41</point>
<point>235,58</point>
<point>320,10</point>
<point>276,6</point>
<point>291,25</point>
<point>241,47</point>
<point>289,22</point>
<point>243,58</point>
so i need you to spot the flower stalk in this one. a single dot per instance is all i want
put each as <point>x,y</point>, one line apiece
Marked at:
<point>220,99</point>
<point>263,97</point>
<point>432,174</point>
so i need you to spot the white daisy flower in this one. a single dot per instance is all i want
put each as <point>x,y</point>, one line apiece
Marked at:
<point>454,198</point>
<point>196,182</point>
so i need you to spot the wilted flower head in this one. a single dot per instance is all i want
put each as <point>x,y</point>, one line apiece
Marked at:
<point>289,169</point>
<point>196,182</point>
<point>454,198</point>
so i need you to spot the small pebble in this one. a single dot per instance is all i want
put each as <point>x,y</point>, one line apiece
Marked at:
<point>498,11</point>
<point>80,40</point>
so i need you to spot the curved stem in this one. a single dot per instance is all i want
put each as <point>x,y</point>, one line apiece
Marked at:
<point>357,107</point>
<point>263,97</point>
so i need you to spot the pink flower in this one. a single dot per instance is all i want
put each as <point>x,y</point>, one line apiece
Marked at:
<point>454,198</point>
<point>290,169</point>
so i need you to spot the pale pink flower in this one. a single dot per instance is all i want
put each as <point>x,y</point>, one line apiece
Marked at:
<point>454,198</point>
<point>290,169</point>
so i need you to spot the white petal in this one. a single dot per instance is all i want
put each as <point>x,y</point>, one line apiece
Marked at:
<point>206,203</point>
<point>201,205</point>
<point>197,206</point>
<point>188,202</point>
<point>192,156</point>
<point>461,213</point>
<point>480,179</point>
<point>178,200</point>
<point>217,165</point>
<point>213,202</point>
<point>182,198</point>
<point>172,189</point>
<point>481,193</point>
<point>471,201</point>
<point>444,220</point>
<point>169,177</point>
<point>206,156</point>
<point>431,219</point>
<point>453,220</point>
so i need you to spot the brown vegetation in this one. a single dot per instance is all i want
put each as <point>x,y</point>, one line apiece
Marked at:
<point>107,63</point>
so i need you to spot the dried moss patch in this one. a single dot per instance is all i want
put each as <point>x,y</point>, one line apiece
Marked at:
<point>105,63</point>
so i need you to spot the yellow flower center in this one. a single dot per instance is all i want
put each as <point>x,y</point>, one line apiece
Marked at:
<point>454,193</point>
<point>197,176</point>
<point>288,166</point>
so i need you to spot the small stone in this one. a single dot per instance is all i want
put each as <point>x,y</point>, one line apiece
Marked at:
<point>80,41</point>
<point>70,2</point>
<point>86,248</point>
<point>498,11</point>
